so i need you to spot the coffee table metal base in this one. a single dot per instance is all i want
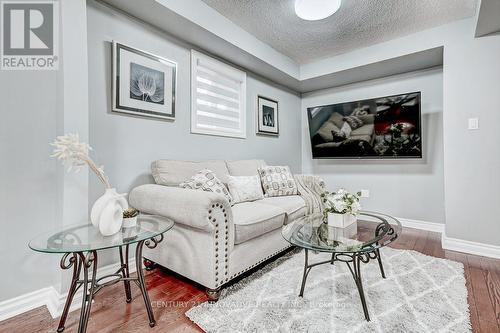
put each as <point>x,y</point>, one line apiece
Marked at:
<point>91,284</point>
<point>353,261</point>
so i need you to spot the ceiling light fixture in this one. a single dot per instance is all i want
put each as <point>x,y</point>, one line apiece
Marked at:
<point>312,10</point>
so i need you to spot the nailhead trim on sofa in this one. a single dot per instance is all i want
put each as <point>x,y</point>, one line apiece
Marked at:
<point>224,248</point>
<point>219,246</point>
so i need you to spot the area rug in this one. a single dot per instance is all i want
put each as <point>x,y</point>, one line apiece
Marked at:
<point>420,294</point>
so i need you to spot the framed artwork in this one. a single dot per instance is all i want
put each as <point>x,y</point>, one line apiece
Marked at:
<point>143,83</point>
<point>267,116</point>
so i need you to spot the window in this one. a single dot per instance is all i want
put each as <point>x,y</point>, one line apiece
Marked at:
<point>218,103</point>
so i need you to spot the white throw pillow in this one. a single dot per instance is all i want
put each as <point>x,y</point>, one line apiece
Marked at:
<point>245,188</point>
<point>206,180</point>
<point>277,181</point>
<point>346,130</point>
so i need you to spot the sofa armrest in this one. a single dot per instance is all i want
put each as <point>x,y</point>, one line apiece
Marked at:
<point>200,243</point>
<point>186,206</point>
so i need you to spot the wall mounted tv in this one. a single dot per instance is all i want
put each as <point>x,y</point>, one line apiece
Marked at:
<point>385,127</point>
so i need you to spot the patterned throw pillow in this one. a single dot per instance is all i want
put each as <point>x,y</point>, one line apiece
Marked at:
<point>206,180</point>
<point>354,121</point>
<point>245,188</point>
<point>277,181</point>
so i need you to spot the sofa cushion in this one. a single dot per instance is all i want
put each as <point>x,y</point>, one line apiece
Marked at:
<point>252,219</point>
<point>172,172</point>
<point>293,205</point>
<point>357,138</point>
<point>367,118</point>
<point>244,167</point>
<point>328,145</point>
<point>366,129</point>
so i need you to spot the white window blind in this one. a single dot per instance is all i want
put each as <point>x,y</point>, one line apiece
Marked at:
<point>218,91</point>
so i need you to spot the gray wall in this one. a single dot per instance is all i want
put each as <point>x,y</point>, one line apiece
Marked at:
<point>411,189</point>
<point>127,145</point>
<point>35,107</point>
<point>472,158</point>
<point>36,193</point>
<point>28,176</point>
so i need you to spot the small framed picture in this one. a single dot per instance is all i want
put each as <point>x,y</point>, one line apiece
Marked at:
<point>143,83</point>
<point>267,116</point>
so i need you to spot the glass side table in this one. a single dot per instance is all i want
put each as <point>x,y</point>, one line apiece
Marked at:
<point>80,244</point>
<point>356,244</point>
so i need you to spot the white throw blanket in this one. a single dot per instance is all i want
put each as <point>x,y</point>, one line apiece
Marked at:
<point>310,188</point>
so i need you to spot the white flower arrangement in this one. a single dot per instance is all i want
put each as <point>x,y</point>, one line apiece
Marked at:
<point>341,202</point>
<point>75,154</point>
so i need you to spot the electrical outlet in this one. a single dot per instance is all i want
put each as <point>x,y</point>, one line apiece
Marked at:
<point>473,123</point>
<point>365,193</point>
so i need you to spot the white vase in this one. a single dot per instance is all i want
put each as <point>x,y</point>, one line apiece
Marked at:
<point>341,220</point>
<point>107,212</point>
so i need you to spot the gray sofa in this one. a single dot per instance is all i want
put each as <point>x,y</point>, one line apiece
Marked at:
<point>211,242</point>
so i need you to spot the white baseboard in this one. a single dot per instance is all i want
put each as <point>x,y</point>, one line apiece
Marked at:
<point>422,225</point>
<point>453,244</point>
<point>50,297</point>
<point>17,305</point>
<point>461,245</point>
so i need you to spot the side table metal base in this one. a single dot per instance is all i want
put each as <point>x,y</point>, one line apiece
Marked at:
<point>87,261</point>
<point>353,261</point>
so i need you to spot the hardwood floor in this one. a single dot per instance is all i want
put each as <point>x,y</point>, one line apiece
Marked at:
<point>172,296</point>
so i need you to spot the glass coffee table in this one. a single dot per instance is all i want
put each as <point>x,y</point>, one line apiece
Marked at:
<point>79,245</point>
<point>358,243</point>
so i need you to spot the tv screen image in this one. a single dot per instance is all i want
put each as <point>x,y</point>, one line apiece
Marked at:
<point>385,127</point>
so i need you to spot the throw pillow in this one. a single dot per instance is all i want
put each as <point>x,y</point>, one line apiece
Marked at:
<point>337,136</point>
<point>353,121</point>
<point>361,110</point>
<point>346,130</point>
<point>337,119</point>
<point>206,180</point>
<point>245,188</point>
<point>277,181</point>
<point>325,131</point>
<point>342,134</point>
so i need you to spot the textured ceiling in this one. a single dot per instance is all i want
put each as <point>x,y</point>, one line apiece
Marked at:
<point>358,23</point>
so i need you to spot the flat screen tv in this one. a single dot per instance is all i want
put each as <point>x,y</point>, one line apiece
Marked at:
<point>378,128</point>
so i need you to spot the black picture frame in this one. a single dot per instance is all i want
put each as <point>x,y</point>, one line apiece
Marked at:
<point>267,116</point>
<point>157,73</point>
